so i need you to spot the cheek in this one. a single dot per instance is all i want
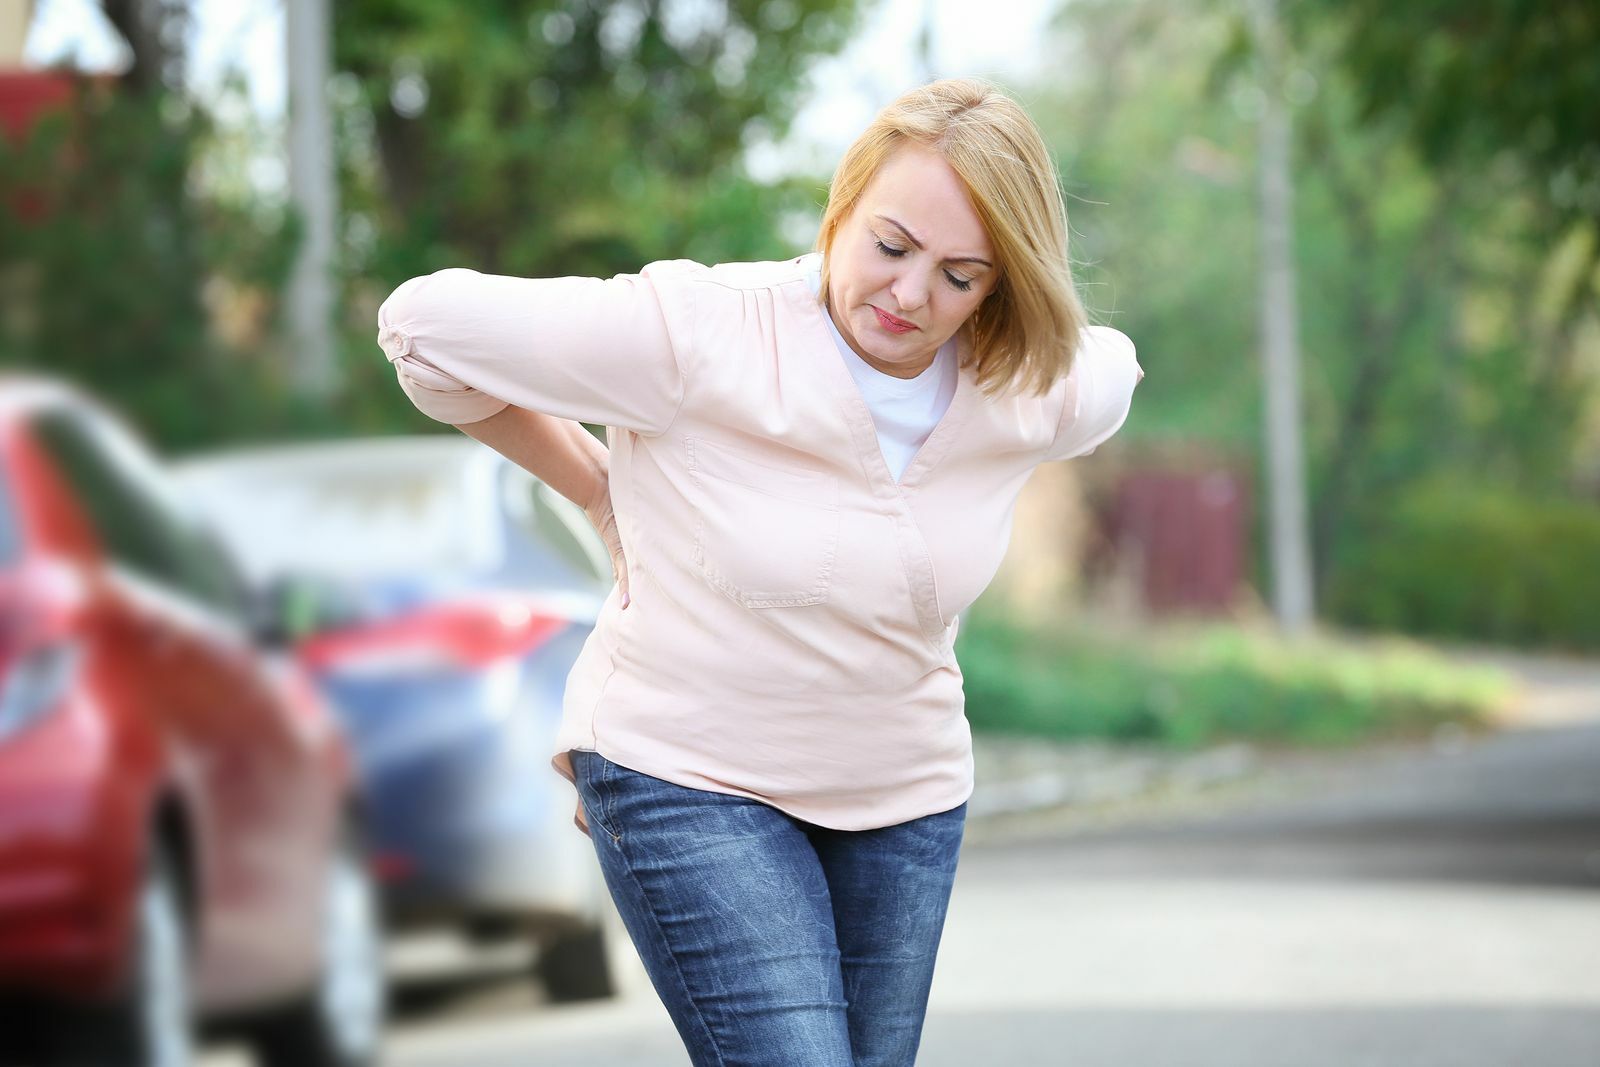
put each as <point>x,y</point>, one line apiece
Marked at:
<point>852,273</point>
<point>960,308</point>
<point>865,274</point>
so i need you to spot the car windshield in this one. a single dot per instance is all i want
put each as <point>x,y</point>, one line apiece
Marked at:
<point>354,520</point>
<point>424,519</point>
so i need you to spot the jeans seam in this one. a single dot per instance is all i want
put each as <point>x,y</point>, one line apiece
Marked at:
<point>661,937</point>
<point>605,800</point>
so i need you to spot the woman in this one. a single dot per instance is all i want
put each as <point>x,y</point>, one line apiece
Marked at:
<point>811,472</point>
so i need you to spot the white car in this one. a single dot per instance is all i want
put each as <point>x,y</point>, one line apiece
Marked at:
<point>466,588</point>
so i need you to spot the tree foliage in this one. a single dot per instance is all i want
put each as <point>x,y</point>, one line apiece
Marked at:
<point>108,274</point>
<point>1431,296</point>
<point>1475,82</point>
<point>552,136</point>
<point>522,136</point>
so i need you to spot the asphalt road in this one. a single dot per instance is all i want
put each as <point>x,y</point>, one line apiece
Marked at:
<point>1428,905</point>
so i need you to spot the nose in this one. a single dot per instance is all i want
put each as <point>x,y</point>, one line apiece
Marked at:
<point>910,291</point>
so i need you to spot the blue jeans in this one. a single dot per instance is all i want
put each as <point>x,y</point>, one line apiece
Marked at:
<point>774,942</point>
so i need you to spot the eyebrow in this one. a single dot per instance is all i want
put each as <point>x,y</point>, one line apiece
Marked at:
<point>913,239</point>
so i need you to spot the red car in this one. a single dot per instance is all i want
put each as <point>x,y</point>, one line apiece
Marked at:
<point>179,839</point>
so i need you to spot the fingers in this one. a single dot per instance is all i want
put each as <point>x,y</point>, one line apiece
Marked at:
<point>619,562</point>
<point>606,522</point>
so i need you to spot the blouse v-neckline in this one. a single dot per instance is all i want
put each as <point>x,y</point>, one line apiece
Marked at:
<point>859,416</point>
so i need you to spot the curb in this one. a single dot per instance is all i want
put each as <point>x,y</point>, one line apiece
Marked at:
<point>1020,775</point>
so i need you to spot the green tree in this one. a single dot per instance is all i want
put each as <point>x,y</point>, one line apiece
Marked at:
<point>1502,93</point>
<point>1428,340</point>
<point>1473,83</point>
<point>525,136</point>
<point>108,254</point>
<point>550,136</point>
<point>113,254</point>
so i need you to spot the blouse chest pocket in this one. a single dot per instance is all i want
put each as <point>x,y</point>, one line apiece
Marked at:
<point>765,535</point>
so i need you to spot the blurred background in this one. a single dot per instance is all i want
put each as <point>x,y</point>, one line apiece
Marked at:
<point>1285,701</point>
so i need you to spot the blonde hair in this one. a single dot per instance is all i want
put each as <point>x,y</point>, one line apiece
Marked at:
<point>1025,332</point>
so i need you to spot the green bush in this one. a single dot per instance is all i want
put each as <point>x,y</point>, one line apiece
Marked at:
<point>1476,563</point>
<point>1196,684</point>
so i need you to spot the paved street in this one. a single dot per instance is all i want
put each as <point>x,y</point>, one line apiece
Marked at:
<point>1429,904</point>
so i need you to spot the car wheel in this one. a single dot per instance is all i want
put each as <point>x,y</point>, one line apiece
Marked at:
<point>576,965</point>
<point>340,1022</point>
<point>149,1023</point>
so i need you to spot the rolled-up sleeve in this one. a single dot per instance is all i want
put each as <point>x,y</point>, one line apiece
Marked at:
<point>607,351</point>
<point>1107,371</point>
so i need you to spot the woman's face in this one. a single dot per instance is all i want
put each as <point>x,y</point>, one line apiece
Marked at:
<point>908,264</point>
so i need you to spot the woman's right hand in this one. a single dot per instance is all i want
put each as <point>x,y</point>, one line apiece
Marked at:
<point>605,520</point>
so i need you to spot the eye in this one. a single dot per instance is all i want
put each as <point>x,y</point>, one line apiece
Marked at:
<point>961,284</point>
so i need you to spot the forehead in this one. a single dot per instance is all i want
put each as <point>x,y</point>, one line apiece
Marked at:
<point>916,187</point>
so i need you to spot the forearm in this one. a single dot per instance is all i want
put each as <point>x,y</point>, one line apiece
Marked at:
<point>559,452</point>
<point>464,343</point>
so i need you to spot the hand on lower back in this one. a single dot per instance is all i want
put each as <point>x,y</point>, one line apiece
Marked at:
<point>604,520</point>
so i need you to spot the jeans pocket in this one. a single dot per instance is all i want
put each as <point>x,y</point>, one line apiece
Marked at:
<point>594,780</point>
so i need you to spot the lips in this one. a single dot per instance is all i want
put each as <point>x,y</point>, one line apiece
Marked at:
<point>890,323</point>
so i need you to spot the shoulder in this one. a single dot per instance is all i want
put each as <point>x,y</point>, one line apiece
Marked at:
<point>1104,365</point>
<point>1117,372</point>
<point>1105,346</point>
<point>723,293</point>
<point>737,276</point>
<point>1103,356</point>
<point>726,300</point>
<point>1096,393</point>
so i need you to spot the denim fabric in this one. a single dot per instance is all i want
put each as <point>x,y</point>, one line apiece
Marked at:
<point>774,942</point>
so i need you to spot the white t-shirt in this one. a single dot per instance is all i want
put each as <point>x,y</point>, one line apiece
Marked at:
<point>904,410</point>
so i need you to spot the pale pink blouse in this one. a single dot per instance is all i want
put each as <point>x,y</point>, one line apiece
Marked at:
<point>794,609</point>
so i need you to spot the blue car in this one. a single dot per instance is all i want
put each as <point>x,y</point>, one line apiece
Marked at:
<point>445,593</point>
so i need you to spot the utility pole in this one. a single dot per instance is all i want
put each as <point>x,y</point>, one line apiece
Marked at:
<point>311,187</point>
<point>1280,346</point>
<point>925,64</point>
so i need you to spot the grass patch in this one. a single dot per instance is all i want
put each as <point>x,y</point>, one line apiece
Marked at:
<point>1189,685</point>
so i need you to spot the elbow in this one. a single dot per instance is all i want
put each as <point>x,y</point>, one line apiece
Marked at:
<point>395,316</point>
<point>413,301</point>
<point>414,312</point>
